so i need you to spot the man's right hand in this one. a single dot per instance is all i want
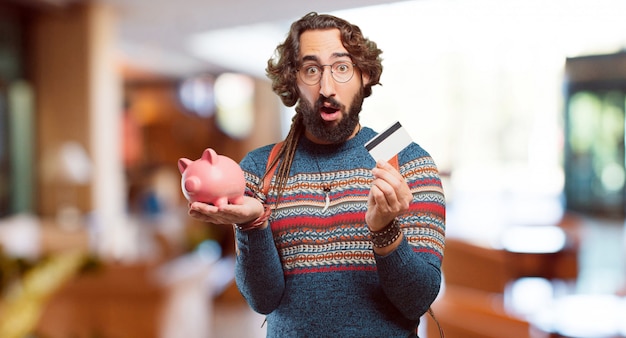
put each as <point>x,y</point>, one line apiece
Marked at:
<point>227,214</point>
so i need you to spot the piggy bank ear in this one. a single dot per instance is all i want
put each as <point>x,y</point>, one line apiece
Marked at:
<point>209,155</point>
<point>183,163</point>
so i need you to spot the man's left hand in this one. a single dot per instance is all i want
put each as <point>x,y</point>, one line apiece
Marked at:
<point>389,196</point>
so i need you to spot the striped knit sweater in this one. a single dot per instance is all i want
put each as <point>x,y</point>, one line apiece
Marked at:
<point>314,272</point>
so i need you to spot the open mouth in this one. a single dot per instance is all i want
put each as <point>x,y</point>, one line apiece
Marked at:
<point>329,113</point>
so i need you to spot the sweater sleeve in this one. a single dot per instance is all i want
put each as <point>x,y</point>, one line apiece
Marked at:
<point>411,275</point>
<point>410,280</point>
<point>258,269</point>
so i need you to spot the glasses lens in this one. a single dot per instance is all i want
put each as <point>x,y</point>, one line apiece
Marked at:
<point>311,73</point>
<point>342,71</point>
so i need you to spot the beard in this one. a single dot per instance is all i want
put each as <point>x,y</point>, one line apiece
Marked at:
<point>329,132</point>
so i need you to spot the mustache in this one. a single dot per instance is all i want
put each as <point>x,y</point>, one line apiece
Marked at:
<point>330,100</point>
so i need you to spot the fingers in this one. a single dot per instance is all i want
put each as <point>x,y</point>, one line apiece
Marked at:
<point>226,214</point>
<point>381,208</point>
<point>203,208</point>
<point>383,169</point>
<point>389,180</point>
<point>389,193</point>
<point>386,197</point>
<point>207,213</point>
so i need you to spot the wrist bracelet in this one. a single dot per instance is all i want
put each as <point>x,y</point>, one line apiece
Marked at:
<point>258,222</point>
<point>387,235</point>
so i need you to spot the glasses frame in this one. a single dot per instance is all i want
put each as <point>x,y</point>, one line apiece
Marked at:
<point>322,68</point>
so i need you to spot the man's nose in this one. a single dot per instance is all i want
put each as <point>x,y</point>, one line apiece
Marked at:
<point>327,84</point>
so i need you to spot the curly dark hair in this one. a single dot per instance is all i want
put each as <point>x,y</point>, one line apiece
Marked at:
<point>282,70</point>
<point>282,67</point>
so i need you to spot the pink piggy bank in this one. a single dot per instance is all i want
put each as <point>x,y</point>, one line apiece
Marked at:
<point>212,179</point>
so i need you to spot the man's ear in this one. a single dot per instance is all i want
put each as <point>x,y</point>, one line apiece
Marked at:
<point>365,78</point>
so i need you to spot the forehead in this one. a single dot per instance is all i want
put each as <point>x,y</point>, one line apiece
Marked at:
<point>321,45</point>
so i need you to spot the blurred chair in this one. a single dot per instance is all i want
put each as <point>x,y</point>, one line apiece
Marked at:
<point>150,300</point>
<point>469,313</point>
<point>113,301</point>
<point>475,266</point>
<point>476,276</point>
<point>545,251</point>
<point>471,302</point>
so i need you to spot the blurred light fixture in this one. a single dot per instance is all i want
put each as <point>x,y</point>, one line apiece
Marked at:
<point>234,98</point>
<point>197,96</point>
<point>243,49</point>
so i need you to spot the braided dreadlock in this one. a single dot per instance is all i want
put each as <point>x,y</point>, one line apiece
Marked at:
<point>287,151</point>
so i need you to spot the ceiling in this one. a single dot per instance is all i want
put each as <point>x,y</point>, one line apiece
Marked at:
<point>154,34</point>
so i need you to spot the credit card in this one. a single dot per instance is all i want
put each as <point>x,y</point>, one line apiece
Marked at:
<point>390,142</point>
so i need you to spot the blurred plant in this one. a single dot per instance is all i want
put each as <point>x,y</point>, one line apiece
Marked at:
<point>26,289</point>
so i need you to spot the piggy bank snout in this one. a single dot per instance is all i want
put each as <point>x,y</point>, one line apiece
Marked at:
<point>192,184</point>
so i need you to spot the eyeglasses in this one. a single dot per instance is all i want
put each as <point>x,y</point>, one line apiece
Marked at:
<point>311,73</point>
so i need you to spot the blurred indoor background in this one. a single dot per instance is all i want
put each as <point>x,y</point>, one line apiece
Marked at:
<point>521,104</point>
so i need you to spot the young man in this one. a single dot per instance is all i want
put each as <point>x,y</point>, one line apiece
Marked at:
<point>336,245</point>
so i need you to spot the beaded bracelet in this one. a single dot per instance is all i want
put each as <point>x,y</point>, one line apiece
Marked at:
<point>258,222</point>
<point>387,235</point>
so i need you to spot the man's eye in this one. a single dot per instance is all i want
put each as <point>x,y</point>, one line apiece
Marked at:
<point>342,68</point>
<point>312,70</point>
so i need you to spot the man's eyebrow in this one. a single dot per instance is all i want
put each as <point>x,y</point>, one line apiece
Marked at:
<point>339,55</point>
<point>334,56</point>
<point>310,58</point>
